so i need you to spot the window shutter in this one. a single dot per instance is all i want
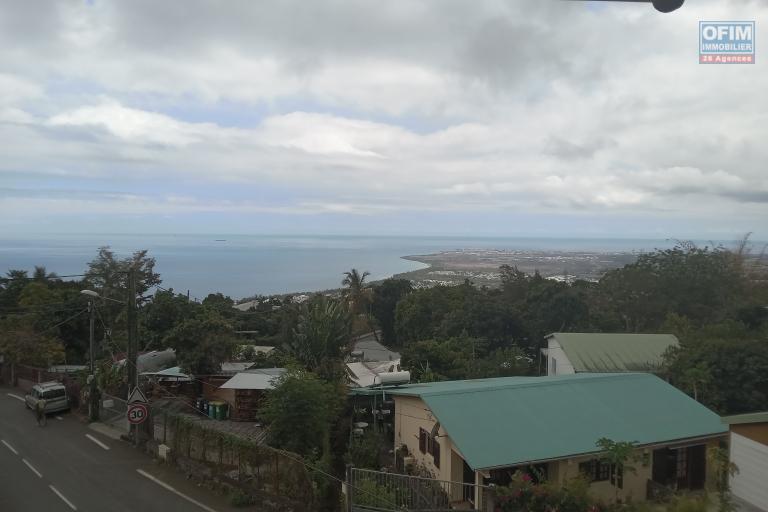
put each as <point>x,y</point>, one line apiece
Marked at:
<point>422,440</point>
<point>436,452</point>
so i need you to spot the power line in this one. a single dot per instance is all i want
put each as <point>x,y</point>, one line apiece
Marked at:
<point>55,326</point>
<point>48,279</point>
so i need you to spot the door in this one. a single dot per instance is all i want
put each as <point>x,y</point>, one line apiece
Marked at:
<point>664,464</point>
<point>697,467</point>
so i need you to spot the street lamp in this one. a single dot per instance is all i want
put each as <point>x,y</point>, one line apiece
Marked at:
<point>91,293</point>
<point>93,402</point>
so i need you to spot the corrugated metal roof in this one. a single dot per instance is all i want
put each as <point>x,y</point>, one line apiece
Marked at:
<point>751,417</point>
<point>608,352</point>
<point>364,375</point>
<point>253,379</point>
<point>508,421</point>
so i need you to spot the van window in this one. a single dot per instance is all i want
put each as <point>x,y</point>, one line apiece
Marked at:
<point>54,393</point>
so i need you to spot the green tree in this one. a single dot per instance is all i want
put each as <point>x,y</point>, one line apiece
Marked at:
<point>722,469</point>
<point>202,343</point>
<point>383,305</point>
<point>221,304</point>
<point>21,343</point>
<point>166,310</point>
<point>620,455</point>
<point>301,411</point>
<point>321,337</point>
<point>108,274</point>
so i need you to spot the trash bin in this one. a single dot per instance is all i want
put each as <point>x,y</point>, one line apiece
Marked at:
<point>213,410</point>
<point>217,408</point>
<point>221,413</point>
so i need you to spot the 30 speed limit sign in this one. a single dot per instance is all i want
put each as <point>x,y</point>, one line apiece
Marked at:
<point>137,413</point>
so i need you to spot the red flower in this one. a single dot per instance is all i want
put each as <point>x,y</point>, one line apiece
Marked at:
<point>526,477</point>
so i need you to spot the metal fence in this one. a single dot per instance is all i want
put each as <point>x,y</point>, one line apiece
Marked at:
<point>112,411</point>
<point>369,490</point>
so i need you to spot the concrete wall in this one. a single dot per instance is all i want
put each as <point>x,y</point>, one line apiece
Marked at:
<point>634,483</point>
<point>412,413</point>
<point>557,361</point>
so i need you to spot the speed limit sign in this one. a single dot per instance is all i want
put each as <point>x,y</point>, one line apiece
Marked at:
<point>137,413</point>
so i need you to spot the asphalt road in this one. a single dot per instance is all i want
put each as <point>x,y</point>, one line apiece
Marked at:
<point>66,466</point>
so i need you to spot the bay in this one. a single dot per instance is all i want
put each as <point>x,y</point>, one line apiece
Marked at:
<point>246,265</point>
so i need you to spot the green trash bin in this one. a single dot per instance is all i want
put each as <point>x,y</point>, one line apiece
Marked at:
<point>217,410</point>
<point>221,412</point>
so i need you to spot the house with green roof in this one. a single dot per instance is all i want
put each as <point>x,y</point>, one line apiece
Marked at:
<point>482,431</point>
<point>576,352</point>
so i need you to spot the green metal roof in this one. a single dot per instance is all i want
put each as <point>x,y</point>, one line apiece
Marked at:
<point>752,417</point>
<point>608,352</point>
<point>508,421</point>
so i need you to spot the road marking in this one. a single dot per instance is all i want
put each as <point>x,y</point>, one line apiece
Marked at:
<point>59,418</point>
<point>30,466</point>
<point>89,436</point>
<point>168,487</point>
<point>17,397</point>
<point>63,498</point>
<point>10,447</point>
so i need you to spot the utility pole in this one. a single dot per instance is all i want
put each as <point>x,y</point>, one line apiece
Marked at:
<point>133,374</point>
<point>93,393</point>
<point>132,357</point>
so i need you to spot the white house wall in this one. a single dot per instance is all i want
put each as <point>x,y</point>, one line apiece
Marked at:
<point>751,458</point>
<point>561,365</point>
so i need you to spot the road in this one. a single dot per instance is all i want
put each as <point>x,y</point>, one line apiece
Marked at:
<point>66,466</point>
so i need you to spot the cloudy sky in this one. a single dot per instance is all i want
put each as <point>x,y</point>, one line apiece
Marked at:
<point>508,117</point>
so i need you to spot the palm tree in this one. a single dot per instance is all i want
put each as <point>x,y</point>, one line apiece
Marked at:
<point>321,338</point>
<point>356,292</point>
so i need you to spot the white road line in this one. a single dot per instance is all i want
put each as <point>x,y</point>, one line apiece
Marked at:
<point>30,466</point>
<point>89,436</point>
<point>17,397</point>
<point>10,447</point>
<point>59,418</point>
<point>63,498</point>
<point>174,491</point>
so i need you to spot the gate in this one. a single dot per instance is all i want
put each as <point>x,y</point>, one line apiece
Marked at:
<point>377,491</point>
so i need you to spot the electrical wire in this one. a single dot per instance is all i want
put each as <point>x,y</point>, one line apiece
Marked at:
<point>57,325</point>
<point>33,278</point>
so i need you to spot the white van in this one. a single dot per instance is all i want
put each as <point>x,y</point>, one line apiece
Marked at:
<point>54,393</point>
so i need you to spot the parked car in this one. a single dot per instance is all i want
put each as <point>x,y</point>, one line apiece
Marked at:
<point>54,393</point>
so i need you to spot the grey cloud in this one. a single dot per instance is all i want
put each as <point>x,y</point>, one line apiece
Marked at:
<point>567,150</point>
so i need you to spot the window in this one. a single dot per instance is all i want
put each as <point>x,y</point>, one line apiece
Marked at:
<point>54,393</point>
<point>617,476</point>
<point>423,436</point>
<point>436,452</point>
<point>596,471</point>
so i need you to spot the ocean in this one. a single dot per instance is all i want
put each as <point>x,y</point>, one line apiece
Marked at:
<point>246,265</point>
